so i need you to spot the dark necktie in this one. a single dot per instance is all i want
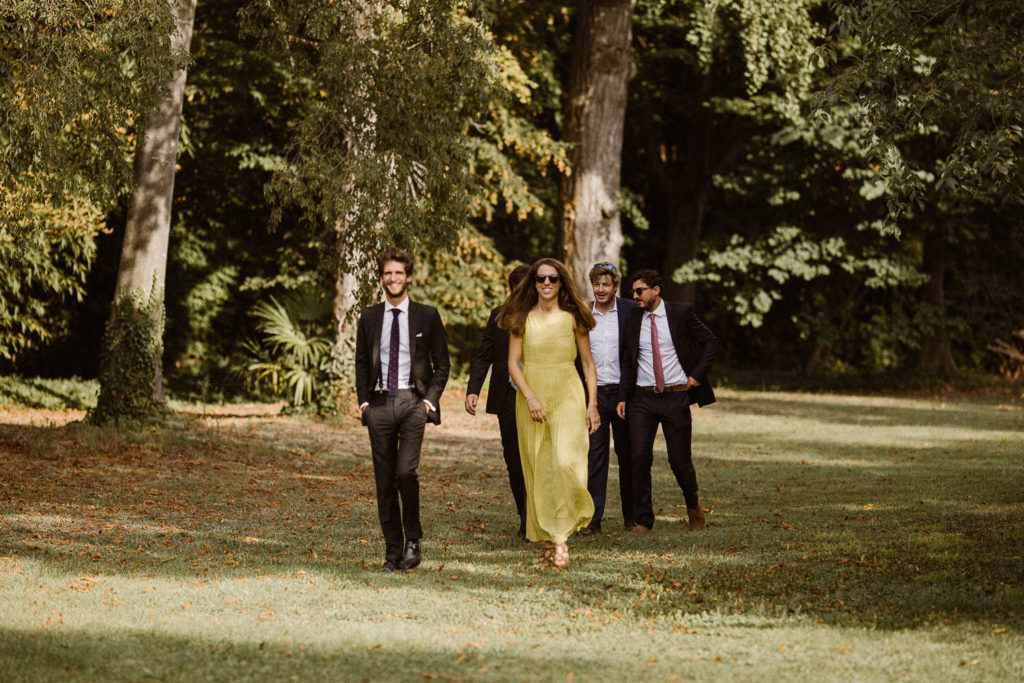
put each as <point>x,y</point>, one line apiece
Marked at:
<point>659,372</point>
<point>393,354</point>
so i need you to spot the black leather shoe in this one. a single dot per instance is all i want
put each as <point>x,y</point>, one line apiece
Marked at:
<point>411,558</point>
<point>590,530</point>
<point>390,566</point>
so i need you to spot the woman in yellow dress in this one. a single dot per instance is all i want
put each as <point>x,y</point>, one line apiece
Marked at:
<point>549,324</point>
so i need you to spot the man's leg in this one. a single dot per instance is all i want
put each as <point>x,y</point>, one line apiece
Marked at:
<point>513,461</point>
<point>412,418</point>
<point>597,465</point>
<point>383,429</point>
<point>620,435</point>
<point>643,427</point>
<point>677,425</point>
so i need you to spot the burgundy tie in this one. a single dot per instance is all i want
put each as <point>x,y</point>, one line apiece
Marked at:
<point>659,372</point>
<point>393,355</point>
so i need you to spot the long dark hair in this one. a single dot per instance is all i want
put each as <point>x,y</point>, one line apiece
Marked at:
<point>524,297</point>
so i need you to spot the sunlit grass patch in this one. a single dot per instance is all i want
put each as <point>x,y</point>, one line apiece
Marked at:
<point>847,538</point>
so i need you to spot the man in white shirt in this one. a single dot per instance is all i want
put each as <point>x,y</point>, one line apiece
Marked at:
<point>402,367</point>
<point>669,352</point>
<point>608,348</point>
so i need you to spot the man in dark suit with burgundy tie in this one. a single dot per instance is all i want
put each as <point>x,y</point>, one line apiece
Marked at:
<point>402,367</point>
<point>501,397</point>
<point>669,353</point>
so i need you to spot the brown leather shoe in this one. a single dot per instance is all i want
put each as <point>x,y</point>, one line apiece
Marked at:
<point>696,516</point>
<point>638,529</point>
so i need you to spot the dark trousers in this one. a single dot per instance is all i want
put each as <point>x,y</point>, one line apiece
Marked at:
<point>646,410</point>
<point>396,425</point>
<point>510,450</point>
<point>612,426</point>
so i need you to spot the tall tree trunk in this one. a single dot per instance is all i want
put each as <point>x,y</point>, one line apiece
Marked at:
<point>936,355</point>
<point>131,377</point>
<point>686,207</point>
<point>590,228</point>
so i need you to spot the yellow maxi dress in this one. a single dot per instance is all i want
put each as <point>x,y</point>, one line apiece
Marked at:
<point>554,452</point>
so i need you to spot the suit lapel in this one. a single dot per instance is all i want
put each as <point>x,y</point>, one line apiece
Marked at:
<point>415,327</point>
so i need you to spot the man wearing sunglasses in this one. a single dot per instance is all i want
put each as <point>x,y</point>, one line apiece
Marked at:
<point>501,397</point>
<point>607,344</point>
<point>669,352</point>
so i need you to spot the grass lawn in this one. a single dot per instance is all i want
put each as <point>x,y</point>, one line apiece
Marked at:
<point>849,538</point>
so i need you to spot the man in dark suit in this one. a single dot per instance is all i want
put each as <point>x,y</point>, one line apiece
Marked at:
<point>401,368</point>
<point>607,344</point>
<point>669,352</point>
<point>501,397</point>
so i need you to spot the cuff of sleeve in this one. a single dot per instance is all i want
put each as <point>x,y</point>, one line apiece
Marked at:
<point>429,405</point>
<point>363,405</point>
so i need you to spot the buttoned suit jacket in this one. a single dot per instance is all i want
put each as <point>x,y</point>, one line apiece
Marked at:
<point>492,355</point>
<point>428,349</point>
<point>694,344</point>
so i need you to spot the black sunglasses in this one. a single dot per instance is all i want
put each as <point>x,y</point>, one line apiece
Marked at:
<point>640,290</point>
<point>553,279</point>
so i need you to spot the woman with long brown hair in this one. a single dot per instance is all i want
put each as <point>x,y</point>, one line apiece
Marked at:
<point>549,324</point>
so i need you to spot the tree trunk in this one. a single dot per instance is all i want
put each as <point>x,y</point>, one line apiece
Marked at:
<point>686,208</point>
<point>936,355</point>
<point>131,378</point>
<point>590,229</point>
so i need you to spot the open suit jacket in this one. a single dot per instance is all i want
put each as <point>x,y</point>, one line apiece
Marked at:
<point>623,309</point>
<point>428,349</point>
<point>694,344</point>
<point>493,354</point>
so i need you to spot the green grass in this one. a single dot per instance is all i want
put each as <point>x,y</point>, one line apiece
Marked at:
<point>849,537</point>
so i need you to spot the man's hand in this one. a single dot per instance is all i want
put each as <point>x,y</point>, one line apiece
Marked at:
<point>471,400</point>
<point>620,409</point>
<point>691,383</point>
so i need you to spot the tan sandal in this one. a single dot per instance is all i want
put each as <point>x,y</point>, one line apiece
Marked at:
<point>561,558</point>
<point>547,558</point>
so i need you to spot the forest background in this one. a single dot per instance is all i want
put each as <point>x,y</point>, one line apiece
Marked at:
<point>835,185</point>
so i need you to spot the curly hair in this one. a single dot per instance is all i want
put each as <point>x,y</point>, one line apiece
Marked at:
<point>398,256</point>
<point>524,297</point>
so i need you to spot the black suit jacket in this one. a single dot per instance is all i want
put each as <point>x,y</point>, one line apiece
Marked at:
<point>623,309</point>
<point>428,348</point>
<point>694,344</point>
<point>493,355</point>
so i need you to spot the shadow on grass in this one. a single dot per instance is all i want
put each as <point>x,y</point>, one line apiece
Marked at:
<point>152,653</point>
<point>899,545</point>
<point>879,411</point>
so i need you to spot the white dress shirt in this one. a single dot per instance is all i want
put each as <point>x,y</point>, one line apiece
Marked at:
<point>670,365</point>
<point>604,344</point>
<point>404,359</point>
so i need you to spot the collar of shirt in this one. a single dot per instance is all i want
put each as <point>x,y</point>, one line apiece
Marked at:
<point>615,302</point>
<point>660,310</point>
<point>403,306</point>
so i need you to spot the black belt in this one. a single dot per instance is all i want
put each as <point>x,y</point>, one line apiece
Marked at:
<point>384,392</point>
<point>667,390</point>
<point>608,387</point>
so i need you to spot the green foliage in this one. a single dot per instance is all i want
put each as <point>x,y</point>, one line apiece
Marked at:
<point>130,361</point>
<point>379,155</point>
<point>45,255</point>
<point>289,360</point>
<point>75,79</point>
<point>939,82</point>
<point>40,393</point>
